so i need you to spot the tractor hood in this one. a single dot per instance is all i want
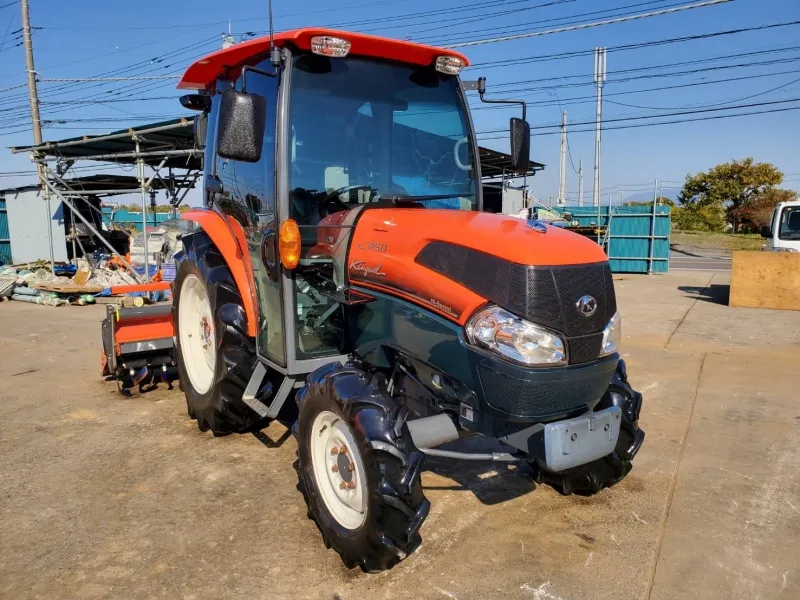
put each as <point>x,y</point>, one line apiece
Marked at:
<point>453,262</point>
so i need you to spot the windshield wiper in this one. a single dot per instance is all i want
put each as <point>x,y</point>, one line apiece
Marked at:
<point>399,199</point>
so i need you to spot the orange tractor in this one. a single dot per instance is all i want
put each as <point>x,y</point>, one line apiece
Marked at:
<point>342,278</point>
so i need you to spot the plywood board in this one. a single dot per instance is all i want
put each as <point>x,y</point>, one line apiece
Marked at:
<point>766,280</point>
<point>68,288</point>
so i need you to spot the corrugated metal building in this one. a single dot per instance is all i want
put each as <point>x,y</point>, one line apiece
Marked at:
<point>5,242</point>
<point>26,227</point>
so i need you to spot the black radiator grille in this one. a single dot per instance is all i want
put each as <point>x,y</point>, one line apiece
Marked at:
<point>547,295</point>
<point>538,399</point>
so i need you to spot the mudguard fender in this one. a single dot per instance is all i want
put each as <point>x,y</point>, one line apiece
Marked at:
<point>229,238</point>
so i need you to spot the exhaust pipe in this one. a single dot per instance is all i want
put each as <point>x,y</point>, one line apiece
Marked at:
<point>429,432</point>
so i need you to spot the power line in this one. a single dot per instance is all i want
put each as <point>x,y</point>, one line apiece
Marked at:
<point>657,75</point>
<point>625,47</point>
<point>82,79</point>
<point>675,114</point>
<point>709,105</point>
<point>638,125</point>
<point>572,19</point>
<point>668,66</point>
<point>585,99</point>
<point>655,13</point>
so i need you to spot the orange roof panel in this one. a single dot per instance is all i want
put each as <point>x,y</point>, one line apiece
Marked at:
<point>202,74</point>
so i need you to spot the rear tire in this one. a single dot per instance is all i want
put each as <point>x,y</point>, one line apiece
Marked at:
<point>376,523</point>
<point>588,479</point>
<point>213,377</point>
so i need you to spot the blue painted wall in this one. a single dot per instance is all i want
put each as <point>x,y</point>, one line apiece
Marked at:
<point>128,219</point>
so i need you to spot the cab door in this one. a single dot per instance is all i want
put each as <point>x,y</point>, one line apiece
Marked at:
<point>248,195</point>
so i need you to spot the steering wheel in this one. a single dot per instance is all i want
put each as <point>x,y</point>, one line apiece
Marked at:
<point>331,204</point>
<point>457,158</point>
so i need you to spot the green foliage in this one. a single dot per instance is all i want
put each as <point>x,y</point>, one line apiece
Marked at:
<point>725,190</point>
<point>661,201</point>
<point>697,217</point>
<point>758,212</point>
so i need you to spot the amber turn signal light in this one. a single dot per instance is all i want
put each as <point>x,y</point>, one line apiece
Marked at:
<point>289,244</point>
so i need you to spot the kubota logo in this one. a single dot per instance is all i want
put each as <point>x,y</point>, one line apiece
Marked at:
<point>359,266</point>
<point>586,306</point>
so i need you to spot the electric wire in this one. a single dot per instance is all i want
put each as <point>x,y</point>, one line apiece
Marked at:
<point>530,34</point>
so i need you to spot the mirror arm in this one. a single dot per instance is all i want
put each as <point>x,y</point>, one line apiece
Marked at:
<point>522,103</point>
<point>247,69</point>
<point>480,87</point>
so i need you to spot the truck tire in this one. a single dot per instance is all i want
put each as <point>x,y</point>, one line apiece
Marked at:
<point>592,477</point>
<point>215,356</point>
<point>358,470</point>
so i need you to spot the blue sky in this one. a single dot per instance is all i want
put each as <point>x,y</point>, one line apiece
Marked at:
<point>148,37</point>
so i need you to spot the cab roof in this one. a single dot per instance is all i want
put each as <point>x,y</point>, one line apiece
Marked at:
<point>202,74</point>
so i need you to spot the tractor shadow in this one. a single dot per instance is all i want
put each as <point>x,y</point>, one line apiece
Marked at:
<point>490,482</point>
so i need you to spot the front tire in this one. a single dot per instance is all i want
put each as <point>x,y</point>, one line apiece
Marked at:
<point>588,479</point>
<point>215,356</point>
<point>359,471</point>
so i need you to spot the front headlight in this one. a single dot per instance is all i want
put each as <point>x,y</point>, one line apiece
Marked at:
<point>515,338</point>
<point>612,336</point>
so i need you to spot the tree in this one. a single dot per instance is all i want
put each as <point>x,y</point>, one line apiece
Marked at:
<point>728,187</point>
<point>661,201</point>
<point>698,217</point>
<point>758,212</point>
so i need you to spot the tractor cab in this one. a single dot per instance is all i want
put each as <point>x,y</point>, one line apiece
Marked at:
<point>299,150</point>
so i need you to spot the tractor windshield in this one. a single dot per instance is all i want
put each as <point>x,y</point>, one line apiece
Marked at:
<point>367,131</point>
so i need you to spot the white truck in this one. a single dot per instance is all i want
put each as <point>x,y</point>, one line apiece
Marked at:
<point>783,235</point>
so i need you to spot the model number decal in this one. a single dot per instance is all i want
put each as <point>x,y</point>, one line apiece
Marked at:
<point>373,247</point>
<point>359,266</point>
<point>441,306</point>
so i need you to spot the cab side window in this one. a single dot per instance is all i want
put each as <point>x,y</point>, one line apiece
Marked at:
<point>248,195</point>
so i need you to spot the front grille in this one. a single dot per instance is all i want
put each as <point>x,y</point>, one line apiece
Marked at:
<point>538,398</point>
<point>547,295</point>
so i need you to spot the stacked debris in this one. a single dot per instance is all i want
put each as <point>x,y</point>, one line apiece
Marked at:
<point>67,284</point>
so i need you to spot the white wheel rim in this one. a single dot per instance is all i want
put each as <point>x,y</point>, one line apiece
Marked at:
<point>340,476</point>
<point>196,334</point>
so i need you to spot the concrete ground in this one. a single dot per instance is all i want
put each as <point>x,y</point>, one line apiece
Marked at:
<point>109,497</point>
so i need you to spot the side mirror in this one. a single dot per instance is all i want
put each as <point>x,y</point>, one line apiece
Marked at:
<point>242,120</point>
<point>766,231</point>
<point>520,145</point>
<point>196,102</point>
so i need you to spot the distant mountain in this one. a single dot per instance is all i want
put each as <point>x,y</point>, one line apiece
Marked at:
<point>648,196</point>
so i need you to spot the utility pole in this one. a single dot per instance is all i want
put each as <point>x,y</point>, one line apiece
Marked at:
<point>599,81</point>
<point>36,122</point>
<point>32,93</point>
<point>562,175</point>
<point>580,182</point>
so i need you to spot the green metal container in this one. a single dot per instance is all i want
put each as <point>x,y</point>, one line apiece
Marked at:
<point>635,238</point>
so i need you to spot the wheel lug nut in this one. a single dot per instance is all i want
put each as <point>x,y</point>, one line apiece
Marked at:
<point>351,485</point>
<point>351,467</point>
<point>343,485</point>
<point>343,450</point>
<point>335,468</point>
<point>334,451</point>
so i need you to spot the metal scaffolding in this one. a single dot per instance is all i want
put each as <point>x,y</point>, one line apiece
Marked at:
<point>164,148</point>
